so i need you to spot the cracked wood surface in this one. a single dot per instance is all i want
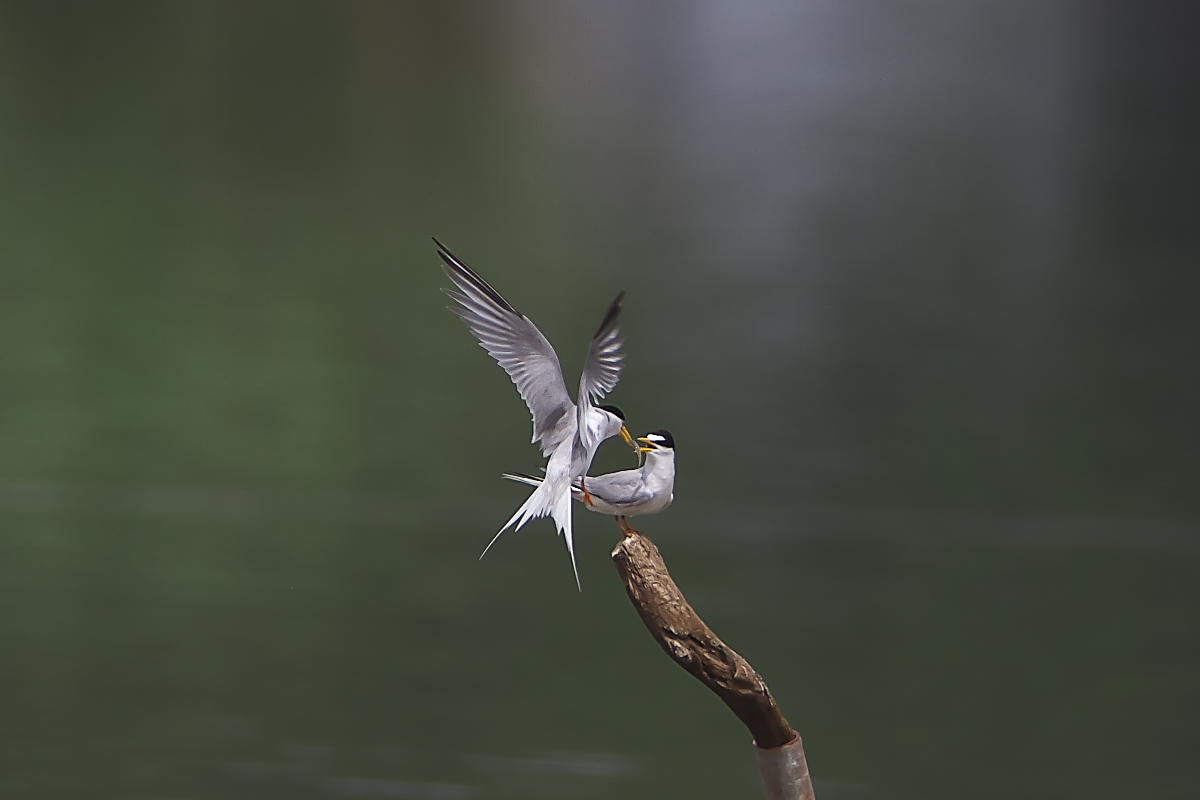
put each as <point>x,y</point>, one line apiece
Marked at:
<point>677,627</point>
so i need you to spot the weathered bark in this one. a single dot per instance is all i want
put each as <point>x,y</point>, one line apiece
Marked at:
<point>681,633</point>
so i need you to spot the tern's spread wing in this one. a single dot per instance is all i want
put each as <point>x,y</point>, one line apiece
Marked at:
<point>602,369</point>
<point>516,344</point>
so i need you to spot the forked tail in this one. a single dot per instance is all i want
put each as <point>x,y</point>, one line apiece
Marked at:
<point>540,504</point>
<point>562,518</point>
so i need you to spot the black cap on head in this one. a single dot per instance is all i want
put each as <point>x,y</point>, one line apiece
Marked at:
<point>616,412</point>
<point>662,438</point>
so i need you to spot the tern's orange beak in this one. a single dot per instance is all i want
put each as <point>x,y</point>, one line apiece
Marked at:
<point>650,442</point>
<point>628,437</point>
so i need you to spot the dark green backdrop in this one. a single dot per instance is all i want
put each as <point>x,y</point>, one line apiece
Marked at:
<point>913,286</point>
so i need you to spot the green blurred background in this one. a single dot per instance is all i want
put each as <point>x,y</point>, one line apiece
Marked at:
<point>912,284</point>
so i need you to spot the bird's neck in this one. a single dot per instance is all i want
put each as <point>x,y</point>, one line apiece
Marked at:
<point>659,465</point>
<point>599,425</point>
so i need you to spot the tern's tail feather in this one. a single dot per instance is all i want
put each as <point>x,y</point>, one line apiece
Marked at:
<point>543,502</point>
<point>534,480</point>
<point>520,477</point>
<point>539,504</point>
<point>562,518</point>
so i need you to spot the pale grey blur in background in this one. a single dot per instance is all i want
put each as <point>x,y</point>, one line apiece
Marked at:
<point>912,284</point>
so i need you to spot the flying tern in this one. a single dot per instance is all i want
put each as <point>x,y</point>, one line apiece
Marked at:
<point>568,432</point>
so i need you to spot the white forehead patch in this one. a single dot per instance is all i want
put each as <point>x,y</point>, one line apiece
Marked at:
<point>654,437</point>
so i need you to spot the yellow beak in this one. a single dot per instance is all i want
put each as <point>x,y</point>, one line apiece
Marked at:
<point>649,449</point>
<point>628,437</point>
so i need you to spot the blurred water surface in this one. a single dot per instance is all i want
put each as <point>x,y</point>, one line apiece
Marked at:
<point>913,287</point>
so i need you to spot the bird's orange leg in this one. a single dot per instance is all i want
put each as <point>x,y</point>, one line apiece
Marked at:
<point>587,497</point>
<point>623,521</point>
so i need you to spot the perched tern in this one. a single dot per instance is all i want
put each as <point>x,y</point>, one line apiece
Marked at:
<point>647,490</point>
<point>569,433</point>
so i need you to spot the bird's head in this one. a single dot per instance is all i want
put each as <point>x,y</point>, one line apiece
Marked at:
<point>657,443</point>
<point>616,420</point>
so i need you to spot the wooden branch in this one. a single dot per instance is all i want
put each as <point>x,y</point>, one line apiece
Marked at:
<point>684,637</point>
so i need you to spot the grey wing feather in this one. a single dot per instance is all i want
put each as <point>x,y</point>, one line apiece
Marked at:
<point>602,369</point>
<point>617,488</point>
<point>516,344</point>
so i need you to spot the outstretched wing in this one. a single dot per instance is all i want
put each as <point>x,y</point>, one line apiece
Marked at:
<point>516,344</point>
<point>602,370</point>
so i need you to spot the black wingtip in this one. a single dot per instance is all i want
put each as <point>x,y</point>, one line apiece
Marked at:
<point>447,255</point>
<point>456,265</point>
<point>448,260</point>
<point>442,249</point>
<point>610,316</point>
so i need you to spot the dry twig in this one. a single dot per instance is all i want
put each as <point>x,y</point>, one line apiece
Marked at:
<point>681,633</point>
